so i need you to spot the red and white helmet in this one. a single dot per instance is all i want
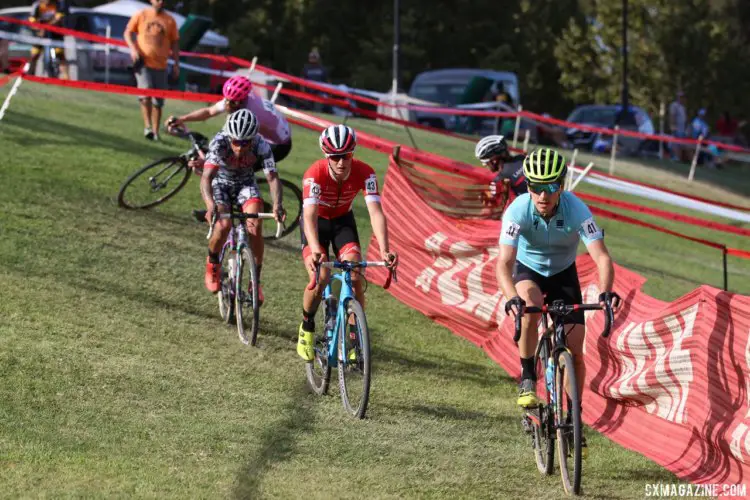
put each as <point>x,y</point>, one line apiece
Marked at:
<point>237,88</point>
<point>338,140</point>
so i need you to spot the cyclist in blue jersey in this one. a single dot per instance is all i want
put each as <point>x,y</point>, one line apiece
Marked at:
<point>538,242</point>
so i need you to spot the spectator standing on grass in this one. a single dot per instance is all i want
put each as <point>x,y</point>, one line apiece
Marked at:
<point>4,64</point>
<point>677,123</point>
<point>316,72</point>
<point>151,35</point>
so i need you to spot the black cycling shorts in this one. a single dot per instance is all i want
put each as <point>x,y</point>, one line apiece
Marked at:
<point>281,151</point>
<point>339,233</point>
<point>561,286</point>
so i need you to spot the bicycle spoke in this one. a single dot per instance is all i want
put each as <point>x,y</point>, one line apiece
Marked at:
<point>154,184</point>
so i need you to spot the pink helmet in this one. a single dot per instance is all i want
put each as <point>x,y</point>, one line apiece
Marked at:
<point>237,88</point>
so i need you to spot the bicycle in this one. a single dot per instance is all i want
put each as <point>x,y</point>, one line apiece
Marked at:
<point>237,299</point>
<point>349,353</point>
<point>558,416</point>
<point>160,180</point>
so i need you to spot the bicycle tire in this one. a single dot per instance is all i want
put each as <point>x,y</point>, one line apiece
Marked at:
<point>347,369</point>
<point>168,163</point>
<point>247,263</point>
<point>226,292</point>
<point>571,479</point>
<point>543,438</point>
<point>319,382</point>
<point>292,217</point>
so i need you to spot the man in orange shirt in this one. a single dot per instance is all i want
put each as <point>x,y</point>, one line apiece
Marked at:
<point>151,34</point>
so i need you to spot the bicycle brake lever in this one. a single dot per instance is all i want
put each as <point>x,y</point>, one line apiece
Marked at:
<point>517,324</point>
<point>609,319</point>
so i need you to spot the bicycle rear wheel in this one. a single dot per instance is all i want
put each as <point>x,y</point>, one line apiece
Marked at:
<point>154,184</point>
<point>292,198</point>
<point>354,361</point>
<point>246,308</point>
<point>318,371</point>
<point>541,424</point>
<point>568,420</point>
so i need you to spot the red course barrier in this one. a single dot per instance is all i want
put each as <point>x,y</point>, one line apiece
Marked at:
<point>346,95</point>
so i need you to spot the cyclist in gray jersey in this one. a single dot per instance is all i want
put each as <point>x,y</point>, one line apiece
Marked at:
<point>228,180</point>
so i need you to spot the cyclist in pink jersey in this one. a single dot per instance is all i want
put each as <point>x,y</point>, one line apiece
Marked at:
<point>238,94</point>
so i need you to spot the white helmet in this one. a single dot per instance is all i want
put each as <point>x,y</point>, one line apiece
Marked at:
<point>490,146</point>
<point>241,125</point>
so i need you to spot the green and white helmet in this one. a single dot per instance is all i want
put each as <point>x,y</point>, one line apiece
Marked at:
<point>490,146</point>
<point>545,165</point>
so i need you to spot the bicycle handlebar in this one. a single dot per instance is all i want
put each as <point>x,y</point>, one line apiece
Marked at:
<point>392,276</point>
<point>243,217</point>
<point>565,310</point>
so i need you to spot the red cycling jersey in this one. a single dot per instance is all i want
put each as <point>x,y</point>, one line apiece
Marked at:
<point>334,199</point>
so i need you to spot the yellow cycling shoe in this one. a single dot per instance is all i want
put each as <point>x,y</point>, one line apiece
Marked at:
<point>527,394</point>
<point>305,347</point>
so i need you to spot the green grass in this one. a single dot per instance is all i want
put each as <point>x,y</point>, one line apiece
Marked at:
<point>118,379</point>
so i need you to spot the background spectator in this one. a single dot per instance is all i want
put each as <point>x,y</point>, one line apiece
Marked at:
<point>727,127</point>
<point>4,64</point>
<point>677,123</point>
<point>151,34</point>
<point>50,12</point>
<point>315,71</point>
<point>699,127</point>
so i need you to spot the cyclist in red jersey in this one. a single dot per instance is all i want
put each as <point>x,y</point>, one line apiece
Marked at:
<point>329,188</point>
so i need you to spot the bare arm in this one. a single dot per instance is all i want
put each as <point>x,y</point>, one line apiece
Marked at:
<point>206,192</point>
<point>504,270</point>
<point>310,225</point>
<point>598,251</point>
<point>199,115</point>
<point>379,227</point>
<point>275,185</point>
<point>131,38</point>
<point>176,57</point>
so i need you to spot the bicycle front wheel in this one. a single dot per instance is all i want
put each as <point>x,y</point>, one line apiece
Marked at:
<point>541,424</point>
<point>292,198</point>
<point>154,184</point>
<point>354,361</point>
<point>247,308</point>
<point>568,420</point>
<point>226,293</point>
<point>318,371</point>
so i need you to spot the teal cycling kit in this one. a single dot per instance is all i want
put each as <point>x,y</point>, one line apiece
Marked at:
<point>548,247</point>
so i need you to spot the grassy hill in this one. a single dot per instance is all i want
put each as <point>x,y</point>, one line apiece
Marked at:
<point>117,377</point>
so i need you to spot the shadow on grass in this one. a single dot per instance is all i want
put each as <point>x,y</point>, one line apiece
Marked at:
<point>447,368</point>
<point>71,134</point>
<point>277,443</point>
<point>455,414</point>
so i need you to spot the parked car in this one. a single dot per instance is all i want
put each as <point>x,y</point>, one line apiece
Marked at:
<point>605,116</point>
<point>454,86</point>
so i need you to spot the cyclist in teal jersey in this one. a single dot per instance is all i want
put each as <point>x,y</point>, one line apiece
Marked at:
<point>538,242</point>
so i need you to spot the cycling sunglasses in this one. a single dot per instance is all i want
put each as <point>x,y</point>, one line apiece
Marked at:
<point>233,104</point>
<point>240,143</point>
<point>344,156</point>
<point>549,188</point>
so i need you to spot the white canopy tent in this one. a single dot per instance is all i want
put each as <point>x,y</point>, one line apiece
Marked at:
<point>129,7</point>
